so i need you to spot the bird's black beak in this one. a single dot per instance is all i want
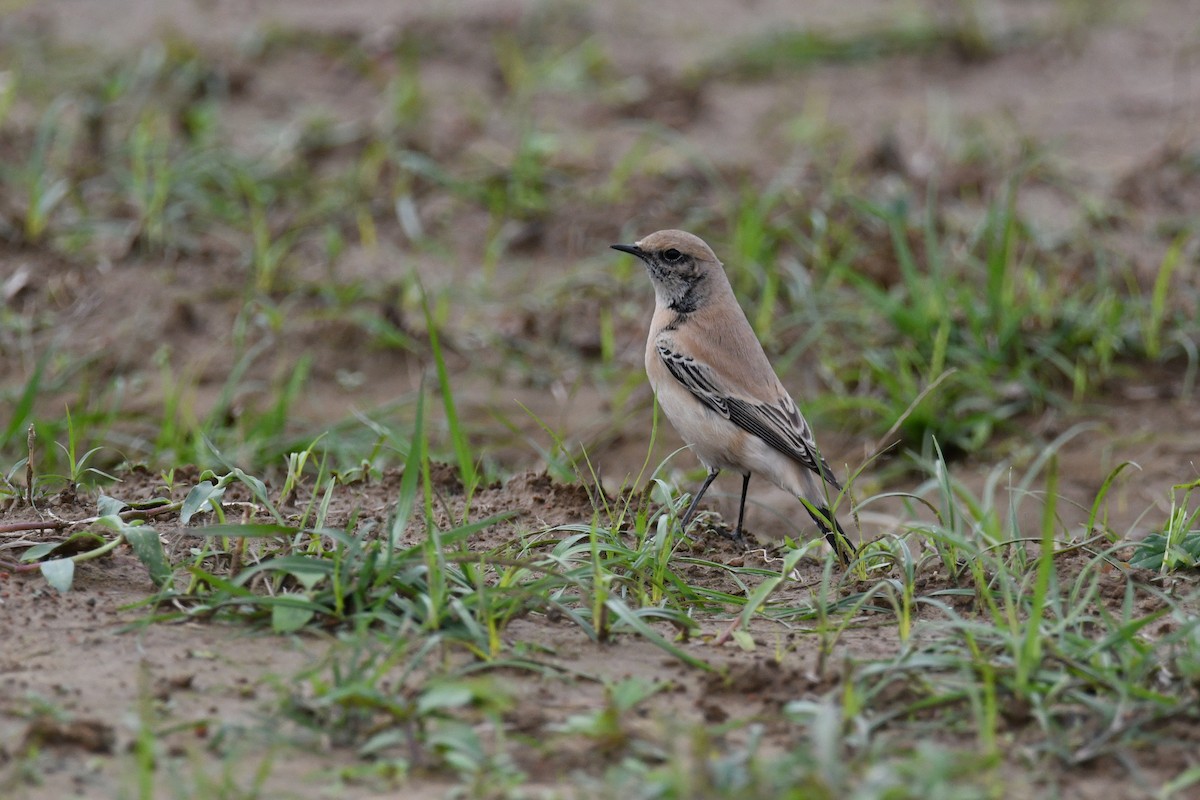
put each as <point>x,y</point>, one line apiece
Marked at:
<point>632,249</point>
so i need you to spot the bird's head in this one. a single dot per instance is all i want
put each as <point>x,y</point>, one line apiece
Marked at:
<point>684,269</point>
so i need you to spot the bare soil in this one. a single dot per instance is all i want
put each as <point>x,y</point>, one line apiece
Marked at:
<point>1112,103</point>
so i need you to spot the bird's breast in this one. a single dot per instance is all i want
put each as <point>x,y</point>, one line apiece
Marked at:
<point>713,438</point>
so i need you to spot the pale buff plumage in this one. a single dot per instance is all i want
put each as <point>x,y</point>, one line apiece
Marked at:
<point>716,386</point>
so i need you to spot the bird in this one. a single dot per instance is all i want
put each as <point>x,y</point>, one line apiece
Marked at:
<point>714,383</point>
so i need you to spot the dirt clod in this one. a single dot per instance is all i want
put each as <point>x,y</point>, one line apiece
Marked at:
<point>89,735</point>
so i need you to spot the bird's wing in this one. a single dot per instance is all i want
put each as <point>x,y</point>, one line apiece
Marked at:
<point>779,424</point>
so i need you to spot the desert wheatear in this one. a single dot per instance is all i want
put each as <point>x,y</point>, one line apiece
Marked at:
<point>715,384</point>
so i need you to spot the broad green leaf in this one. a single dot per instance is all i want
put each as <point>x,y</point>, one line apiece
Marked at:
<point>1151,551</point>
<point>256,486</point>
<point>110,506</point>
<point>287,618</point>
<point>308,577</point>
<point>149,550</point>
<point>114,523</point>
<point>452,694</point>
<point>59,573</point>
<point>39,550</point>
<point>198,498</point>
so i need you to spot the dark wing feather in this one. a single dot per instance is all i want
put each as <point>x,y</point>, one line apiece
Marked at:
<point>782,427</point>
<point>698,379</point>
<point>780,424</point>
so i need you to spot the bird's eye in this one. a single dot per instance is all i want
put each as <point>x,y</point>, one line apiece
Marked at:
<point>672,255</point>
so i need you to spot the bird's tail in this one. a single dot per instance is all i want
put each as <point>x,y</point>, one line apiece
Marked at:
<point>827,522</point>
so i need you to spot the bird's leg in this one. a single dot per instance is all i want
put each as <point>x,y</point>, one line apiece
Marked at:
<point>687,515</point>
<point>737,534</point>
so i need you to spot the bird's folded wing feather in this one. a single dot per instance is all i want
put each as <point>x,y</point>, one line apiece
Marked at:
<point>778,423</point>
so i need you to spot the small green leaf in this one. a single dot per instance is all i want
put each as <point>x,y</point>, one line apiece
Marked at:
<point>59,573</point>
<point>110,506</point>
<point>286,618</point>
<point>39,550</point>
<point>149,550</point>
<point>80,540</point>
<point>1149,552</point>
<point>1152,550</point>
<point>392,737</point>
<point>256,486</point>
<point>198,499</point>
<point>308,578</point>
<point>445,696</point>
<point>744,640</point>
<point>115,523</point>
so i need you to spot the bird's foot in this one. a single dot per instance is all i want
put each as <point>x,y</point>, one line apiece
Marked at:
<point>738,538</point>
<point>718,529</point>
